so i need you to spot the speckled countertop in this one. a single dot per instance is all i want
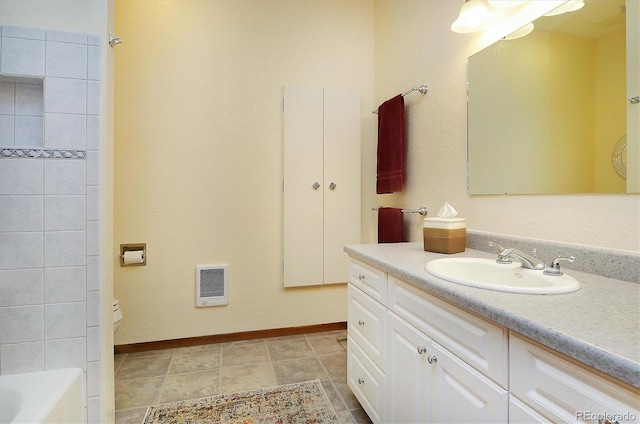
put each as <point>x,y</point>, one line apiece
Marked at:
<point>598,325</point>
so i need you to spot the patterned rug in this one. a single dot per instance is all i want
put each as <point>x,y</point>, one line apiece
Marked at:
<point>292,403</point>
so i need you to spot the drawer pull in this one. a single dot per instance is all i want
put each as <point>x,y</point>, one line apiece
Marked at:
<point>360,323</point>
<point>361,277</point>
<point>360,381</point>
<point>422,349</point>
<point>432,359</point>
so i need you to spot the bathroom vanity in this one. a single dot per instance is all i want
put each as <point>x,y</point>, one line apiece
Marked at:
<point>423,349</point>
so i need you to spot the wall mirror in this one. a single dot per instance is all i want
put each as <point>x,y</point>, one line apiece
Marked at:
<point>547,112</point>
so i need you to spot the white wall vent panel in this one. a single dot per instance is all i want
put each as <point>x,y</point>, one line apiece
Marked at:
<point>212,285</point>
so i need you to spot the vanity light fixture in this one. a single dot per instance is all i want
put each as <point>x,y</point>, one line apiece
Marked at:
<point>569,6</point>
<point>474,16</point>
<point>525,30</point>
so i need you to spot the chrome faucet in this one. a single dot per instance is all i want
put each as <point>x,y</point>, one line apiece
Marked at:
<point>526,260</point>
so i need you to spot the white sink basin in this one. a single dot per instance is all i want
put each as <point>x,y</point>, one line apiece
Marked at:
<point>511,278</point>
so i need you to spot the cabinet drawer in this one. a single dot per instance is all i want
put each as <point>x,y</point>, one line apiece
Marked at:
<point>370,280</point>
<point>366,381</point>
<point>564,391</point>
<point>367,324</point>
<point>481,344</point>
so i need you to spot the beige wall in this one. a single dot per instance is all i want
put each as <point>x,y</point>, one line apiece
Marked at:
<point>198,154</point>
<point>415,45</point>
<point>199,139</point>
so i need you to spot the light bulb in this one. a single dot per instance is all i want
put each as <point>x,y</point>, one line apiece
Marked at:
<point>474,16</point>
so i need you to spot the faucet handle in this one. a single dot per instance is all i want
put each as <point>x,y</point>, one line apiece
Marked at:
<point>554,266</point>
<point>497,246</point>
<point>502,257</point>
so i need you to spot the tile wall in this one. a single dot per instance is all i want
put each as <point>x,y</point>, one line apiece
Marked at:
<point>50,204</point>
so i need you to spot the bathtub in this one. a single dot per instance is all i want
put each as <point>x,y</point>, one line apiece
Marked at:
<point>55,396</point>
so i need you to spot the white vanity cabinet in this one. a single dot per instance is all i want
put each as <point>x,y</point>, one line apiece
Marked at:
<point>428,382</point>
<point>563,391</point>
<point>404,355</point>
<point>366,345</point>
<point>415,358</point>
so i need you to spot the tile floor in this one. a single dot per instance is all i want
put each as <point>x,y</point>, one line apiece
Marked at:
<point>150,378</point>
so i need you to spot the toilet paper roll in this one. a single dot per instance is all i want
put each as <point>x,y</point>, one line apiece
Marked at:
<point>131,257</point>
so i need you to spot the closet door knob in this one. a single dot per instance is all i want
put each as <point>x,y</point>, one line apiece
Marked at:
<point>360,381</point>
<point>316,185</point>
<point>361,323</point>
<point>332,186</point>
<point>422,349</point>
<point>432,359</point>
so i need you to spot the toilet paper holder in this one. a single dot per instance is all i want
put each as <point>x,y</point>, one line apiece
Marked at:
<point>133,247</point>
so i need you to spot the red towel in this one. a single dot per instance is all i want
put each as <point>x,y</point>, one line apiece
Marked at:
<point>390,225</point>
<point>391,146</point>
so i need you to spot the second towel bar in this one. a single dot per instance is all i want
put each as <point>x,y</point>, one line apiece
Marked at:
<point>422,211</point>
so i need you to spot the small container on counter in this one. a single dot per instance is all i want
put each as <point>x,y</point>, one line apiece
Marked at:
<point>445,235</point>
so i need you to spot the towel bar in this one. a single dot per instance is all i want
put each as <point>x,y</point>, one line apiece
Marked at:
<point>422,211</point>
<point>422,89</point>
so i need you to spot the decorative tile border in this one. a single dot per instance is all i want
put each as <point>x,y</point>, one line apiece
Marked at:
<point>42,153</point>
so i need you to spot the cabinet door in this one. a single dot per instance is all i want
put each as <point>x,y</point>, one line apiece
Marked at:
<point>342,191</point>
<point>460,394</point>
<point>303,204</point>
<point>408,373</point>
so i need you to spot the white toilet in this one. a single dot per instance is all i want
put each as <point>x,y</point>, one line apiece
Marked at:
<point>117,315</point>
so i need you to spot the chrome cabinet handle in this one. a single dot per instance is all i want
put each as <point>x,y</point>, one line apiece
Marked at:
<point>361,277</point>
<point>361,323</point>
<point>332,186</point>
<point>360,381</point>
<point>421,350</point>
<point>634,100</point>
<point>432,359</point>
<point>316,185</point>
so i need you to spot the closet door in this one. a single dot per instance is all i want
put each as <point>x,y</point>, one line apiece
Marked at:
<point>303,198</point>
<point>321,183</point>
<point>342,169</point>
